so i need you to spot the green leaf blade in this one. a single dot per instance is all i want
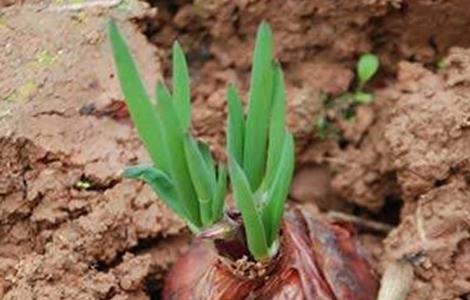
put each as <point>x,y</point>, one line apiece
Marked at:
<point>181,86</point>
<point>206,154</point>
<point>161,184</point>
<point>235,126</point>
<point>367,67</point>
<point>255,234</point>
<point>362,97</point>
<point>173,137</point>
<point>277,194</point>
<point>277,127</point>
<point>201,177</point>
<point>257,122</point>
<point>138,102</point>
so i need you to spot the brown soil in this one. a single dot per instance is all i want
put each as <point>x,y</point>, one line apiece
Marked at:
<point>62,125</point>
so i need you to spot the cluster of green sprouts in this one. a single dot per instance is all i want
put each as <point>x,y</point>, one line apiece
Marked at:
<point>345,105</point>
<point>261,150</point>
<point>185,176</point>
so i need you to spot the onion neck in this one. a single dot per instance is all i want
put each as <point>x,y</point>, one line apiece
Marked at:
<point>229,239</point>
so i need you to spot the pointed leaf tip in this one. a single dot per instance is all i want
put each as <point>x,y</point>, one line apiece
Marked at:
<point>181,86</point>
<point>140,107</point>
<point>259,107</point>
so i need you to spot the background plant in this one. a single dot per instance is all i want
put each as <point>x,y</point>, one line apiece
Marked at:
<point>183,174</point>
<point>345,105</point>
<point>261,150</point>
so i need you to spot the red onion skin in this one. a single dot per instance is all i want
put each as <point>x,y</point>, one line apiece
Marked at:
<point>317,261</point>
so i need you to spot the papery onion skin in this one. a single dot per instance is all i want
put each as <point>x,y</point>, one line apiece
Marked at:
<point>317,261</point>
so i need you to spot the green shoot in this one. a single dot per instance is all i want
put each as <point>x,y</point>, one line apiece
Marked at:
<point>367,66</point>
<point>236,125</point>
<point>182,94</point>
<point>344,106</point>
<point>261,151</point>
<point>203,180</point>
<point>362,97</point>
<point>278,190</point>
<point>183,174</point>
<point>245,201</point>
<point>257,120</point>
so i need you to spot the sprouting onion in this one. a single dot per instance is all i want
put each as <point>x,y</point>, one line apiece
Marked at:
<point>184,175</point>
<point>261,150</point>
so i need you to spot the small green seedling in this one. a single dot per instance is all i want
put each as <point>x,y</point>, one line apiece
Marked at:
<point>183,173</point>
<point>367,66</point>
<point>344,106</point>
<point>261,150</point>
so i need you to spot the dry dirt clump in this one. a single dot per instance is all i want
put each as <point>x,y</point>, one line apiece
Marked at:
<point>435,237</point>
<point>422,30</point>
<point>428,131</point>
<point>412,139</point>
<point>428,139</point>
<point>312,31</point>
<point>363,172</point>
<point>225,29</point>
<point>70,227</point>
